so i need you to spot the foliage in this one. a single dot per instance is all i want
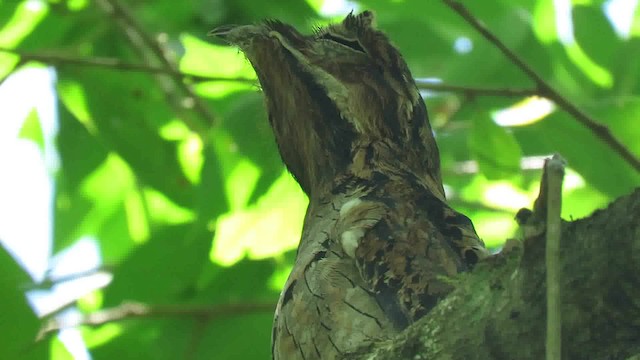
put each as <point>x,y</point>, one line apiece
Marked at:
<point>187,197</point>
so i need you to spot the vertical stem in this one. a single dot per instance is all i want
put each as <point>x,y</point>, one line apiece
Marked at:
<point>554,173</point>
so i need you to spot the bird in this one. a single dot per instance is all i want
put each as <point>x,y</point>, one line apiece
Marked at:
<point>379,240</point>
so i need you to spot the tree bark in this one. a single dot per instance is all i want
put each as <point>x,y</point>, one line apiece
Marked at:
<point>498,310</point>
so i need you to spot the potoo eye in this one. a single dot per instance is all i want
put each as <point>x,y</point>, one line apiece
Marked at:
<point>352,44</point>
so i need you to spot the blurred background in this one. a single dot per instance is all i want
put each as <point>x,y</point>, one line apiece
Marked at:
<point>145,212</point>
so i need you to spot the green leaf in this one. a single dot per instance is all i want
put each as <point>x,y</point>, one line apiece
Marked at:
<point>209,59</point>
<point>268,228</point>
<point>141,339</point>
<point>222,286</point>
<point>627,73</point>
<point>544,21</point>
<point>61,25</point>
<point>83,210</point>
<point>246,111</point>
<point>211,199</point>
<point>496,150</point>
<point>18,323</point>
<point>595,34</point>
<point>589,156</point>
<point>130,126</point>
<point>59,350</point>
<point>228,335</point>
<point>18,20</point>
<point>80,151</point>
<point>32,130</point>
<point>296,12</point>
<point>635,25</point>
<point>238,338</point>
<point>163,269</point>
<point>619,115</point>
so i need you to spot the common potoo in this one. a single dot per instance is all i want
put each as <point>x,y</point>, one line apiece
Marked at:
<point>379,239</point>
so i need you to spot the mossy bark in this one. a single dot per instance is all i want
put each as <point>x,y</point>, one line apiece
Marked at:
<point>498,310</point>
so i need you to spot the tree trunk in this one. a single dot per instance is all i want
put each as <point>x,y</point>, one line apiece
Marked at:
<point>498,310</point>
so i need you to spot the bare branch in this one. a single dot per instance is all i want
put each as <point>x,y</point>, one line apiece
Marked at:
<point>474,91</point>
<point>114,63</point>
<point>117,64</point>
<point>133,310</point>
<point>545,90</point>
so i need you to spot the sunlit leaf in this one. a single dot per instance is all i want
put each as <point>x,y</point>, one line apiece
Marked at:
<point>25,17</point>
<point>101,335</point>
<point>137,221</point>
<point>213,60</point>
<point>246,111</point>
<point>134,340</point>
<point>131,127</point>
<point>59,350</point>
<point>85,210</point>
<point>91,301</point>
<point>32,130</point>
<point>267,228</point>
<point>205,58</point>
<point>505,196</point>
<point>635,25</point>
<point>544,21</point>
<point>163,211</point>
<point>19,19</point>
<point>495,228</point>
<point>598,74</point>
<point>240,184</point>
<point>595,34</point>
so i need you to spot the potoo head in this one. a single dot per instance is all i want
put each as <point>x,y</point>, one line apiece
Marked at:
<point>337,94</point>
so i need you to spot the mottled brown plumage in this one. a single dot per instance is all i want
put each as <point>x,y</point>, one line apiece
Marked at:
<point>379,239</point>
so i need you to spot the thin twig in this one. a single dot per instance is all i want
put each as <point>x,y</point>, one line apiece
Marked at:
<point>195,339</point>
<point>117,64</point>
<point>150,49</point>
<point>554,172</point>
<point>114,63</point>
<point>133,310</point>
<point>475,91</point>
<point>545,90</point>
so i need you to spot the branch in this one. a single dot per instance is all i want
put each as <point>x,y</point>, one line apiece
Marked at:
<point>133,310</point>
<point>149,49</point>
<point>545,90</point>
<point>114,63</point>
<point>473,91</point>
<point>498,310</point>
